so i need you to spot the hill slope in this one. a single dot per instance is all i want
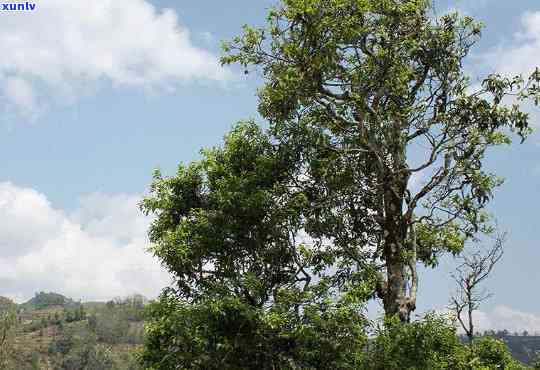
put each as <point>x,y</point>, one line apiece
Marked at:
<point>51,331</point>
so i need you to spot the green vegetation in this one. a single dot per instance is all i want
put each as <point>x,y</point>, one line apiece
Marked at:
<point>8,324</point>
<point>51,331</point>
<point>108,335</point>
<point>231,334</point>
<point>352,89</point>
<point>524,347</point>
<point>432,343</point>
<point>279,237</point>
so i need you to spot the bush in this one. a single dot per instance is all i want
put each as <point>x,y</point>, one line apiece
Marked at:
<point>112,328</point>
<point>78,349</point>
<point>432,344</point>
<point>227,333</point>
<point>492,353</point>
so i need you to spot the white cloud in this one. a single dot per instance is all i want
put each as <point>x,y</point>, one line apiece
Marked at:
<point>504,317</point>
<point>519,54</point>
<point>65,49</point>
<point>20,94</point>
<point>27,220</point>
<point>98,252</point>
<point>111,217</point>
<point>500,318</point>
<point>522,52</point>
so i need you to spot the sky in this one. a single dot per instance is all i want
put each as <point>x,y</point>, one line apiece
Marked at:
<point>96,94</point>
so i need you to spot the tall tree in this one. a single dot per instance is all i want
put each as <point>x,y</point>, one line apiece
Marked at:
<point>364,84</point>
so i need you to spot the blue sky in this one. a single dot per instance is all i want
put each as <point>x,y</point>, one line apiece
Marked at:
<point>83,126</point>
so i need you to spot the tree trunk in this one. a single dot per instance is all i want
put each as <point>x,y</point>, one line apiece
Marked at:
<point>397,298</point>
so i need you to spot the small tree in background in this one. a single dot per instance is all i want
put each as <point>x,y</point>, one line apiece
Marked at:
<point>475,267</point>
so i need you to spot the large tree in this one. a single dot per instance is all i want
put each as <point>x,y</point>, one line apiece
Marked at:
<point>277,237</point>
<point>377,93</point>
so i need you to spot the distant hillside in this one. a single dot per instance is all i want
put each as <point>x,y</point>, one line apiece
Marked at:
<point>51,331</point>
<point>523,348</point>
<point>43,300</point>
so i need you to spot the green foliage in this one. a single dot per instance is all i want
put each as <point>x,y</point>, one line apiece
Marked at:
<point>75,313</point>
<point>112,324</point>
<point>536,362</point>
<point>67,337</point>
<point>231,334</point>
<point>432,343</point>
<point>80,351</point>
<point>132,307</point>
<point>278,237</point>
<point>492,353</point>
<point>226,226</point>
<point>6,304</point>
<point>361,84</point>
<point>222,212</point>
<point>35,361</point>
<point>112,328</point>
<point>8,326</point>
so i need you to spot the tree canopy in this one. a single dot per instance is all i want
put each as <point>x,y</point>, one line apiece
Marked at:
<point>374,80</point>
<point>311,218</point>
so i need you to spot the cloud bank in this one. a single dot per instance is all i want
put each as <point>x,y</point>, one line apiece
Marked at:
<point>504,317</point>
<point>67,49</point>
<point>95,253</point>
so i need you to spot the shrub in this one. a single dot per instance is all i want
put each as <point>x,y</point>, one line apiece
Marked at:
<point>227,333</point>
<point>432,344</point>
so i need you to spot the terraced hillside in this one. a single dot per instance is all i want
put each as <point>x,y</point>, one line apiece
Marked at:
<point>54,332</point>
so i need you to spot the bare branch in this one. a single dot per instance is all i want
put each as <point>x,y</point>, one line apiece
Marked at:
<point>474,268</point>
